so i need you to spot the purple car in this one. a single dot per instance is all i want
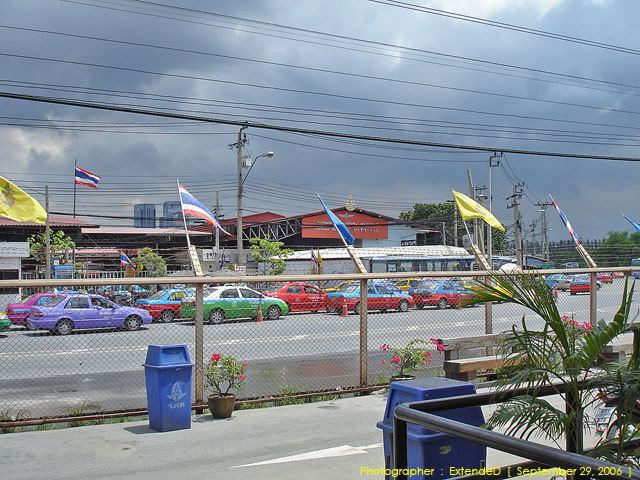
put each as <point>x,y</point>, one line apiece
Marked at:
<point>63,315</point>
<point>18,312</point>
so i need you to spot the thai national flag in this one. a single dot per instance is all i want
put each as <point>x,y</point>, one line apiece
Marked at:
<point>565,220</point>
<point>124,260</point>
<point>192,207</point>
<point>87,178</point>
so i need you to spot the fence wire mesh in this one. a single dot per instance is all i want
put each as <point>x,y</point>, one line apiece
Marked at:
<point>81,348</point>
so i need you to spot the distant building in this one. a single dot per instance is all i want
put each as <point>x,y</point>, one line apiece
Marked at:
<point>144,215</point>
<point>171,215</point>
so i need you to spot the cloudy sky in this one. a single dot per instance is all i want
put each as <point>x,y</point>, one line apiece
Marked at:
<point>437,79</point>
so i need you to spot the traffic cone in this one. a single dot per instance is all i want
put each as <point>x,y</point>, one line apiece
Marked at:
<point>259,316</point>
<point>345,310</point>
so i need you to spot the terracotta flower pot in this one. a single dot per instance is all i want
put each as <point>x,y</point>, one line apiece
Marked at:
<point>221,406</point>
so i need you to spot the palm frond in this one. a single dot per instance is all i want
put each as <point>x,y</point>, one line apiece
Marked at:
<point>523,416</point>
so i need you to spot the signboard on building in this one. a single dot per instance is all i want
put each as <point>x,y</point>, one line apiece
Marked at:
<point>360,225</point>
<point>14,249</point>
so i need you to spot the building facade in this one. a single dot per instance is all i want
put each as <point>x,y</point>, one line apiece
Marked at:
<point>144,215</point>
<point>171,215</point>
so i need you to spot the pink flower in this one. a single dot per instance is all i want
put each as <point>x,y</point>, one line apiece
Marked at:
<point>245,364</point>
<point>215,357</point>
<point>396,359</point>
<point>587,326</point>
<point>382,362</point>
<point>385,347</point>
<point>242,378</point>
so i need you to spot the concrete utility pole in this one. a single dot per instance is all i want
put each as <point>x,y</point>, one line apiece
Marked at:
<point>444,234</point>
<point>480,198</point>
<point>545,229</point>
<point>517,195</point>
<point>494,161</point>
<point>472,193</point>
<point>47,236</point>
<point>455,224</point>
<point>532,226</point>
<point>239,146</point>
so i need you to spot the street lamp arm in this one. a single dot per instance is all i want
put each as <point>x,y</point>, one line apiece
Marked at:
<point>267,154</point>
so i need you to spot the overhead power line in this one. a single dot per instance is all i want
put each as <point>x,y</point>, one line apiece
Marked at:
<point>508,26</point>
<point>324,133</point>
<point>317,69</point>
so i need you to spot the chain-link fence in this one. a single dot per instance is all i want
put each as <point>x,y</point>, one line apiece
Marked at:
<point>79,348</point>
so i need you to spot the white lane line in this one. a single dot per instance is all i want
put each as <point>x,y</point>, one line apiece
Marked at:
<point>341,451</point>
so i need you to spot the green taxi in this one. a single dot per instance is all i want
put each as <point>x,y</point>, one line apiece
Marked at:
<point>231,302</point>
<point>5,323</point>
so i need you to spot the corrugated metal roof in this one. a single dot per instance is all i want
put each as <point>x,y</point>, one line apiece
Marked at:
<point>157,232</point>
<point>53,221</point>
<point>381,252</point>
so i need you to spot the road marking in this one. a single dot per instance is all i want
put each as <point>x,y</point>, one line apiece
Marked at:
<point>341,451</point>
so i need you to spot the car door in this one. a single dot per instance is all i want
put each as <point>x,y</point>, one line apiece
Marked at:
<point>105,313</point>
<point>252,301</point>
<point>78,309</point>
<point>295,298</point>
<point>232,304</point>
<point>313,297</point>
<point>374,300</point>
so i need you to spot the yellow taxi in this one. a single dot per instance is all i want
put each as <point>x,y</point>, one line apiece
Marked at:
<point>407,284</point>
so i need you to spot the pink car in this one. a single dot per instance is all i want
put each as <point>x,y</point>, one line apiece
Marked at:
<point>18,312</point>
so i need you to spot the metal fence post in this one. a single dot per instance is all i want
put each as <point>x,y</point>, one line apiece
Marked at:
<point>199,322</point>
<point>593,300</point>
<point>364,342</point>
<point>488,312</point>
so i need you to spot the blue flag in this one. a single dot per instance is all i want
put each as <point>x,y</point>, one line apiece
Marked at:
<point>343,231</point>
<point>637,225</point>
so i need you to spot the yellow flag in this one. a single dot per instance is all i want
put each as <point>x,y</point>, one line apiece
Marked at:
<point>18,205</point>
<point>470,210</point>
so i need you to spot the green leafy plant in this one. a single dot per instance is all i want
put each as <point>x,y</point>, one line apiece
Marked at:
<point>152,263</point>
<point>59,242</point>
<point>225,373</point>
<point>564,351</point>
<point>270,255</point>
<point>404,361</point>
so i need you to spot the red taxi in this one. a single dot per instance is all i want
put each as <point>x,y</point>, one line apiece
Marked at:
<point>301,297</point>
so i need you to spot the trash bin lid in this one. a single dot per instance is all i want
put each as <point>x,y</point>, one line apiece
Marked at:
<point>167,355</point>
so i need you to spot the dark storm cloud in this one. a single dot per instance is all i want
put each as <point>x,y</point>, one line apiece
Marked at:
<point>591,192</point>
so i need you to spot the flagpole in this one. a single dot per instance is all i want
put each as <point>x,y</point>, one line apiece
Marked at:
<point>75,164</point>
<point>184,219</point>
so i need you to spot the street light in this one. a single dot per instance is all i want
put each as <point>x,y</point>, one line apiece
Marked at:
<point>241,180</point>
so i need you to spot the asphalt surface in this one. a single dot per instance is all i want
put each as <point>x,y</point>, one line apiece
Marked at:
<point>326,440</point>
<point>44,374</point>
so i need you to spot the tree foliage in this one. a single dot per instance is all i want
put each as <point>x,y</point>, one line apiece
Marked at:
<point>152,263</point>
<point>60,242</point>
<point>270,255</point>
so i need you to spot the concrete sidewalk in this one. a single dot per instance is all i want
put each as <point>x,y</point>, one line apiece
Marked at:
<point>325,440</point>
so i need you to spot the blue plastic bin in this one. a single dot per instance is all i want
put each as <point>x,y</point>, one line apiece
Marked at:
<point>167,372</point>
<point>427,449</point>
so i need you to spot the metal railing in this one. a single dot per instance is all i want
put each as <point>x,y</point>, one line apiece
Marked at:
<point>308,352</point>
<point>422,413</point>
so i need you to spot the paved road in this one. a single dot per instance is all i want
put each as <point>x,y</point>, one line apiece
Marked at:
<point>47,374</point>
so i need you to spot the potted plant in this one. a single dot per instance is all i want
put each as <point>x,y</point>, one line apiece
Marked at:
<point>403,361</point>
<point>224,373</point>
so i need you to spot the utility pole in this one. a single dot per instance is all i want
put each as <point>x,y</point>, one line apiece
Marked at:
<point>517,195</point>
<point>472,193</point>
<point>217,232</point>
<point>533,237</point>
<point>47,236</point>
<point>455,224</point>
<point>444,234</point>
<point>545,229</point>
<point>239,146</point>
<point>494,161</point>
<point>480,198</point>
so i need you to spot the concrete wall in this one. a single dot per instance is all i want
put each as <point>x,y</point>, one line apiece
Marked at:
<point>397,233</point>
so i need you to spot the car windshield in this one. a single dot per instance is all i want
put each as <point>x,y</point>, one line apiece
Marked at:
<point>581,278</point>
<point>349,288</point>
<point>428,286</point>
<point>157,295</point>
<point>29,298</point>
<point>55,301</point>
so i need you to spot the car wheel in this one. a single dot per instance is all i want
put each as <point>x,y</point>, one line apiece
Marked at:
<point>356,309</point>
<point>403,306</point>
<point>216,316</point>
<point>273,313</point>
<point>166,316</point>
<point>419,306</point>
<point>132,323</point>
<point>332,310</point>
<point>572,293</point>
<point>64,327</point>
<point>442,303</point>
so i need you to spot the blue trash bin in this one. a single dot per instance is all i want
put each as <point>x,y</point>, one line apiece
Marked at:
<point>427,449</point>
<point>167,371</point>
